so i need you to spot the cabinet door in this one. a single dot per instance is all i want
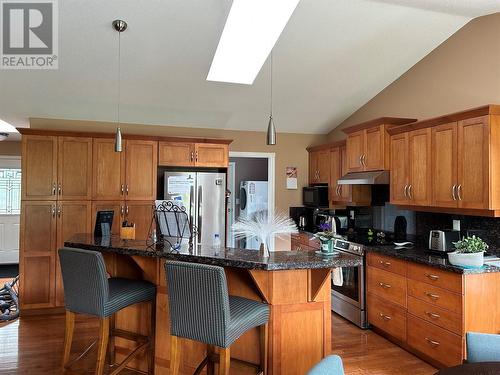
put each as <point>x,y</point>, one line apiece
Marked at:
<point>344,190</point>
<point>355,150</point>
<point>39,167</point>
<point>72,217</point>
<point>444,165</point>
<point>323,166</point>
<point>118,207</point>
<point>419,190</point>
<point>37,254</point>
<point>140,165</point>
<point>375,148</point>
<point>108,170</point>
<point>399,169</point>
<point>74,168</point>
<point>211,155</point>
<point>176,154</point>
<point>313,167</point>
<point>473,163</point>
<point>335,173</point>
<point>141,214</point>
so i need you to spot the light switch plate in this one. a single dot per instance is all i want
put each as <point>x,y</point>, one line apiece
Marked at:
<point>456,225</point>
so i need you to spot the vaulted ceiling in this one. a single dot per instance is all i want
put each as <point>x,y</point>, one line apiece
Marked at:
<point>332,57</point>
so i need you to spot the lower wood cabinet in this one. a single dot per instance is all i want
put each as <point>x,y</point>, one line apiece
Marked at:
<point>428,310</point>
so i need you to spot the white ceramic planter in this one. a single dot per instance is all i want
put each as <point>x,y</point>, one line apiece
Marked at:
<point>466,259</point>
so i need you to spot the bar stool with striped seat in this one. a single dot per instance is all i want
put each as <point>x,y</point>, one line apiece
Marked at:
<point>87,290</point>
<point>201,309</point>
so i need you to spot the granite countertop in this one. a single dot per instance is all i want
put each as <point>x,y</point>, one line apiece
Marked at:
<point>225,257</point>
<point>420,254</point>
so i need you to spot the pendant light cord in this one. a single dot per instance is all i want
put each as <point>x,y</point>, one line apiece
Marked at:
<point>271,109</point>
<point>119,73</point>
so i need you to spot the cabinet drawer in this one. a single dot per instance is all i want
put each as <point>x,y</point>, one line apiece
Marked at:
<point>387,317</point>
<point>437,343</point>
<point>436,277</point>
<point>435,296</point>
<point>387,285</point>
<point>387,263</point>
<point>440,317</point>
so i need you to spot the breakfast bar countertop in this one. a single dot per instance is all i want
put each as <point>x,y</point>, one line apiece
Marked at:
<point>224,257</point>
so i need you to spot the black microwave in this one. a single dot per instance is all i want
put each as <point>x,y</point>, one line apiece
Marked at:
<point>315,196</point>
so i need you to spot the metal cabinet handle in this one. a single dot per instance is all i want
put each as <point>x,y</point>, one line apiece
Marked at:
<point>432,277</point>
<point>409,191</point>
<point>192,155</point>
<point>59,211</point>
<point>432,295</point>
<point>385,317</point>
<point>318,175</point>
<point>196,155</point>
<point>59,189</point>
<point>126,210</point>
<point>53,210</point>
<point>54,188</point>
<point>405,192</point>
<point>122,189</point>
<point>459,192</point>
<point>387,264</point>
<point>432,342</point>
<point>453,192</point>
<point>363,159</point>
<point>433,315</point>
<point>122,211</point>
<point>385,286</point>
<point>340,190</point>
<point>126,189</point>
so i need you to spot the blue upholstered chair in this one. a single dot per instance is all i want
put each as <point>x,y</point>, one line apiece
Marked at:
<point>202,310</point>
<point>87,290</point>
<point>483,347</point>
<point>331,365</point>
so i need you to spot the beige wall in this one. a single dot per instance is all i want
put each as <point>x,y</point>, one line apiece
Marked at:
<point>462,73</point>
<point>10,148</point>
<point>290,149</point>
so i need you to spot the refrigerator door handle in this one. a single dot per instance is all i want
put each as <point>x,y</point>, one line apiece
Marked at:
<point>191,216</point>
<point>200,214</point>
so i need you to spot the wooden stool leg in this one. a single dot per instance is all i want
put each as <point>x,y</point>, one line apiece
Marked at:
<point>68,337</point>
<point>224,361</point>
<point>102,345</point>
<point>111,344</point>
<point>152,328</point>
<point>175,355</point>
<point>210,355</point>
<point>264,336</point>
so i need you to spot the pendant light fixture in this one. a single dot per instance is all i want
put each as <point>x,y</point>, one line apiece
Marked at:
<point>120,26</point>
<point>271,130</point>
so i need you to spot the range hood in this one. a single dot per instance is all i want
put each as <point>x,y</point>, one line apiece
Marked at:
<point>365,178</point>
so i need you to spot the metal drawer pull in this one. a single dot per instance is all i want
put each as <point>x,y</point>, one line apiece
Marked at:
<point>386,286</point>
<point>432,295</point>
<point>432,277</point>
<point>433,315</point>
<point>459,192</point>
<point>385,317</point>
<point>432,342</point>
<point>54,188</point>
<point>453,194</point>
<point>409,192</point>
<point>387,264</point>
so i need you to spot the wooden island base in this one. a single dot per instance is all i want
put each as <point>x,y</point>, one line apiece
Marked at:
<point>299,327</point>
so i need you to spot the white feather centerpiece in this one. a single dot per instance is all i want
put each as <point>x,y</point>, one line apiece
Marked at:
<point>264,227</point>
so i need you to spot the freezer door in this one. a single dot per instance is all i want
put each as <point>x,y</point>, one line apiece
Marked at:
<point>210,207</point>
<point>180,187</point>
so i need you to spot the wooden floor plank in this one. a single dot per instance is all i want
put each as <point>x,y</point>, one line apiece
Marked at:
<point>34,345</point>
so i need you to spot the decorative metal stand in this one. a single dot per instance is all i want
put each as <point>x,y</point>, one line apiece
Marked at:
<point>172,226</point>
<point>9,302</point>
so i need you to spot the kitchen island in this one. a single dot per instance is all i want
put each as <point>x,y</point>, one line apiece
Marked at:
<point>295,284</point>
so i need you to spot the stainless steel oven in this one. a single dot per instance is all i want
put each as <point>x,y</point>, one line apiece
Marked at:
<point>349,295</point>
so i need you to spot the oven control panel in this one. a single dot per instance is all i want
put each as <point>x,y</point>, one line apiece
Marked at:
<point>349,247</point>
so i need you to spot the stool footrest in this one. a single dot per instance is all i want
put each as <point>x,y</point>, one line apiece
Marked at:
<point>132,336</point>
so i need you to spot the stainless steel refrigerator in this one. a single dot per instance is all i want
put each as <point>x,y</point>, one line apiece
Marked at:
<point>203,194</point>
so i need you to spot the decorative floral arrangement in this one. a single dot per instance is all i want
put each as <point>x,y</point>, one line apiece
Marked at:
<point>469,245</point>
<point>325,233</point>
<point>264,227</point>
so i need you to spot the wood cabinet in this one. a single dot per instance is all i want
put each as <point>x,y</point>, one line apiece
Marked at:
<point>140,213</point>
<point>140,169</point>
<point>319,166</point>
<point>304,242</point>
<point>118,208</point>
<point>444,165</point>
<point>108,170</point>
<point>335,175</point>
<point>410,168</point>
<point>428,310</point>
<point>355,148</point>
<point>188,154</point>
<point>74,169</point>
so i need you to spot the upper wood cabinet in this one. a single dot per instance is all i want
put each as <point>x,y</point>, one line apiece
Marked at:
<point>444,165</point>
<point>410,165</point>
<point>39,167</point>
<point>140,169</point>
<point>335,174</point>
<point>319,166</point>
<point>187,154</point>
<point>109,170</point>
<point>368,144</point>
<point>74,168</point>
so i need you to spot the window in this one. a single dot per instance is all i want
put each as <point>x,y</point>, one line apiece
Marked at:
<point>10,191</point>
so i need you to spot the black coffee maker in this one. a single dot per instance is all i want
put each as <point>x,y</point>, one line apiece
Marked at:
<point>400,226</point>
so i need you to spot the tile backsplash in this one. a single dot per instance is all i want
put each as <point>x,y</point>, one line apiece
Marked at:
<point>485,227</point>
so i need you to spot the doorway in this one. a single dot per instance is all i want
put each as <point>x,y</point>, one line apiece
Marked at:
<point>251,183</point>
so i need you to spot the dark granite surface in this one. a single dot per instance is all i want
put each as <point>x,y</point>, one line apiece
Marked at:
<point>421,255</point>
<point>225,257</point>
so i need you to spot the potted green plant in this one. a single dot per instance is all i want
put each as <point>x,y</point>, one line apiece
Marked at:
<point>326,237</point>
<point>469,252</point>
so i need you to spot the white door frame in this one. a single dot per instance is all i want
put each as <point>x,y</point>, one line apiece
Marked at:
<point>9,256</point>
<point>271,168</point>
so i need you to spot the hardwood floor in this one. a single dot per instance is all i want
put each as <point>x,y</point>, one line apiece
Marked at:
<point>34,345</point>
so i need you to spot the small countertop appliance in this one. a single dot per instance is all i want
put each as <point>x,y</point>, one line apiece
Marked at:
<point>442,240</point>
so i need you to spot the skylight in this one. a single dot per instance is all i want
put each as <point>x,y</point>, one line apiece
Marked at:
<point>252,28</point>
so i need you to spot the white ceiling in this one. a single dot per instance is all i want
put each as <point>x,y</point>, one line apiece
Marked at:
<point>333,56</point>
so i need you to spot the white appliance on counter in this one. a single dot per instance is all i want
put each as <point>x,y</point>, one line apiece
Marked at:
<point>253,199</point>
<point>203,194</point>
